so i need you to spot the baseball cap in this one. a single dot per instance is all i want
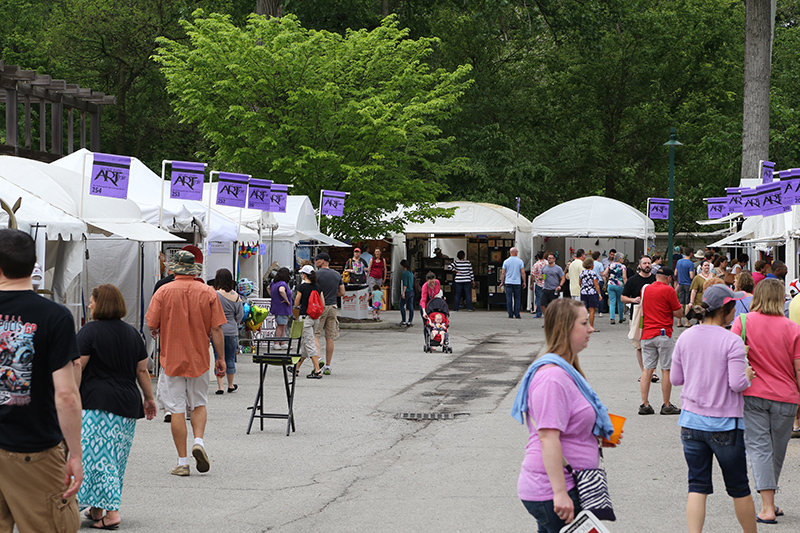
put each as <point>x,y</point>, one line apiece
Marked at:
<point>196,252</point>
<point>322,256</point>
<point>718,295</point>
<point>307,269</point>
<point>794,288</point>
<point>665,271</point>
<point>356,249</point>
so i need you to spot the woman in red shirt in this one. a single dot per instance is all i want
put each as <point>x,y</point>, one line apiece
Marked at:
<point>377,270</point>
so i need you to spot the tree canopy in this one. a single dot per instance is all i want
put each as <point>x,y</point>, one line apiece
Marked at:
<point>358,112</point>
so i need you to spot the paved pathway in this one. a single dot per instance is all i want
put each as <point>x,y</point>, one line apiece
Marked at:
<point>354,466</point>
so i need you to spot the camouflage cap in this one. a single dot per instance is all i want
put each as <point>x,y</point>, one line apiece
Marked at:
<point>183,263</point>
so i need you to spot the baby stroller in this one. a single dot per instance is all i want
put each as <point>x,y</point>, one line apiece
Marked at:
<point>435,332</point>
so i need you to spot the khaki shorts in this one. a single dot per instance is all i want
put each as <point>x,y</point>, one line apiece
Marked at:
<point>657,351</point>
<point>31,492</point>
<point>329,322</point>
<point>177,393</point>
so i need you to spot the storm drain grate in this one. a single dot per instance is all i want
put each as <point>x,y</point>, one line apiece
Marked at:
<point>426,416</point>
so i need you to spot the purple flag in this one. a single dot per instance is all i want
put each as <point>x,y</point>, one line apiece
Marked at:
<point>734,195</point>
<point>770,194</point>
<point>232,189</point>
<point>751,202</point>
<point>258,195</point>
<point>717,207</point>
<point>332,203</point>
<point>110,174</point>
<point>767,169</point>
<point>187,180</point>
<point>278,196</point>
<point>659,208</point>
<point>790,187</point>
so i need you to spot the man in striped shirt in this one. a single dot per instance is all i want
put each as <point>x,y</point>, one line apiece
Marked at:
<point>464,280</point>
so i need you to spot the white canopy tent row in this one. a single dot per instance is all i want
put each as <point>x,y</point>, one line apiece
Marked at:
<point>469,220</point>
<point>72,247</point>
<point>281,233</point>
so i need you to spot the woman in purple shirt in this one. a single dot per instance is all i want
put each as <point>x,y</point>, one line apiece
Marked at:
<point>281,300</point>
<point>709,361</point>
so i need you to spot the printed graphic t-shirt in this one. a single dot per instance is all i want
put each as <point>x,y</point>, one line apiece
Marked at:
<point>37,337</point>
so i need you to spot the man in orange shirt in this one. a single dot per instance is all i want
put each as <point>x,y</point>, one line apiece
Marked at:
<point>185,314</point>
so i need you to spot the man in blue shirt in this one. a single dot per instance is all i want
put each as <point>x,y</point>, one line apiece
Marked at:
<point>512,275</point>
<point>685,270</point>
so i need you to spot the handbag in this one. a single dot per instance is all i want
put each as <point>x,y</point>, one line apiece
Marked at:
<point>637,322</point>
<point>742,317</point>
<point>592,486</point>
<point>297,329</point>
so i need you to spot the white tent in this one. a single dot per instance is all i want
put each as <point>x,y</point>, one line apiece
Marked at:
<point>145,189</point>
<point>593,216</point>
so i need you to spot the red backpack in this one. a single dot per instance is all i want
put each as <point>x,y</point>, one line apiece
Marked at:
<point>315,305</point>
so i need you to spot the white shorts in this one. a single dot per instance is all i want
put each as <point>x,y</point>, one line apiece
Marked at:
<point>180,395</point>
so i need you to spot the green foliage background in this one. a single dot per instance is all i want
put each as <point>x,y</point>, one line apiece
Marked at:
<point>566,98</point>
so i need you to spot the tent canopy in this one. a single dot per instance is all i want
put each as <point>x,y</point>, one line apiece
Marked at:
<point>145,190</point>
<point>593,216</point>
<point>472,218</point>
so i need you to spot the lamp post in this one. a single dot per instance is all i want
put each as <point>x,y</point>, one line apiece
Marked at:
<point>672,143</point>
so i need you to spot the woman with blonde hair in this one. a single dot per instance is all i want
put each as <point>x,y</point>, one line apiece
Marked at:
<point>114,360</point>
<point>770,403</point>
<point>565,418</point>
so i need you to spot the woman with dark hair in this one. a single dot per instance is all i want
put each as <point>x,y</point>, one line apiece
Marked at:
<point>709,362</point>
<point>770,403</point>
<point>114,360</point>
<point>406,294</point>
<point>564,419</point>
<point>743,283</point>
<point>376,270</point>
<point>281,300</point>
<point>308,346</point>
<point>234,312</point>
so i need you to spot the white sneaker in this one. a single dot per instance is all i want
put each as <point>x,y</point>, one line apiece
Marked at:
<point>326,370</point>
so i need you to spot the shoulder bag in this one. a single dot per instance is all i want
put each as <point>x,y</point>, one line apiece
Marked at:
<point>637,322</point>
<point>592,487</point>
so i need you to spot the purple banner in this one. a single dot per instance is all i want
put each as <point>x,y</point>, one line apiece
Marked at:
<point>187,180</point>
<point>659,208</point>
<point>333,203</point>
<point>232,189</point>
<point>767,169</point>
<point>110,175</point>
<point>734,195</point>
<point>790,187</point>
<point>278,196</point>
<point>258,195</point>
<point>751,202</point>
<point>717,207</point>
<point>770,194</point>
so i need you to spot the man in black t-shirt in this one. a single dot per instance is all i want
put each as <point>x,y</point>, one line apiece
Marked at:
<point>632,294</point>
<point>332,287</point>
<point>40,407</point>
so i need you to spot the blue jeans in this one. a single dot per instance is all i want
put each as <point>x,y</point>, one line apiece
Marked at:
<point>407,302</point>
<point>546,516</point>
<point>537,294</point>
<point>615,301</point>
<point>513,294</point>
<point>231,346</point>
<point>464,287</point>
<point>700,448</point>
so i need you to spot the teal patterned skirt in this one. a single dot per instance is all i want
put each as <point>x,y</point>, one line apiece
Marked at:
<point>106,441</point>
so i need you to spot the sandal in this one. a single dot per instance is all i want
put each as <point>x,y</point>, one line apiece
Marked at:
<point>88,514</point>
<point>103,525</point>
<point>315,375</point>
<point>231,389</point>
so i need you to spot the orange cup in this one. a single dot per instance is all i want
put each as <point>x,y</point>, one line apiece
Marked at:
<point>617,421</point>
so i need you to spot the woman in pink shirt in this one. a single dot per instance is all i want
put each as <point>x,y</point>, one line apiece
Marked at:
<point>709,361</point>
<point>429,290</point>
<point>770,403</point>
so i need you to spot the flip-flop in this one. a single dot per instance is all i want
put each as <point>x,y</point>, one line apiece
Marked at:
<point>778,511</point>
<point>103,525</point>
<point>88,515</point>
<point>762,521</point>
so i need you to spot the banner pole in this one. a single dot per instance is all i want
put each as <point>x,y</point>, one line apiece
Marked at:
<point>161,207</point>
<point>83,182</point>
<point>208,218</point>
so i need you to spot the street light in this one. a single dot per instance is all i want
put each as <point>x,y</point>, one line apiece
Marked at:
<point>672,143</point>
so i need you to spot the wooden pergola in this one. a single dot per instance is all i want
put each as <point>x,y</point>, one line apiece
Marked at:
<point>25,88</point>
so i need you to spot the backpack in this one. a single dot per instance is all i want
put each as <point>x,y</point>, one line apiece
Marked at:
<point>315,305</point>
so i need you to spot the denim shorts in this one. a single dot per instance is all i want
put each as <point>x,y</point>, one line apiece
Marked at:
<point>281,320</point>
<point>231,347</point>
<point>546,516</point>
<point>700,448</point>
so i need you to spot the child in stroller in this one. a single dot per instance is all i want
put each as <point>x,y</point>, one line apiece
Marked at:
<point>436,325</point>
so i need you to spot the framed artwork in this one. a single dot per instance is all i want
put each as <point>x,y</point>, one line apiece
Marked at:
<point>509,243</point>
<point>491,243</point>
<point>497,256</point>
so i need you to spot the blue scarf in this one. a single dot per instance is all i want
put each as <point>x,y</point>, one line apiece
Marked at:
<point>602,423</point>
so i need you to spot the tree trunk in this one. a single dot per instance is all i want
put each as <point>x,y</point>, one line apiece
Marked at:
<point>757,51</point>
<point>270,8</point>
<point>385,8</point>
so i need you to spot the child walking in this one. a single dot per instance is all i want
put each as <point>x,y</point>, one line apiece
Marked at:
<point>377,302</point>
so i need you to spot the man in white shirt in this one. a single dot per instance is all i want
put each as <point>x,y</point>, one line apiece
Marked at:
<point>575,274</point>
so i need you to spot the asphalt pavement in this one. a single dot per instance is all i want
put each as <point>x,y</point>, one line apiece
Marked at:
<point>354,464</point>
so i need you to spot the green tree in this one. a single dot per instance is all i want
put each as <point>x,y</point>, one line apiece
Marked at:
<point>319,110</point>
